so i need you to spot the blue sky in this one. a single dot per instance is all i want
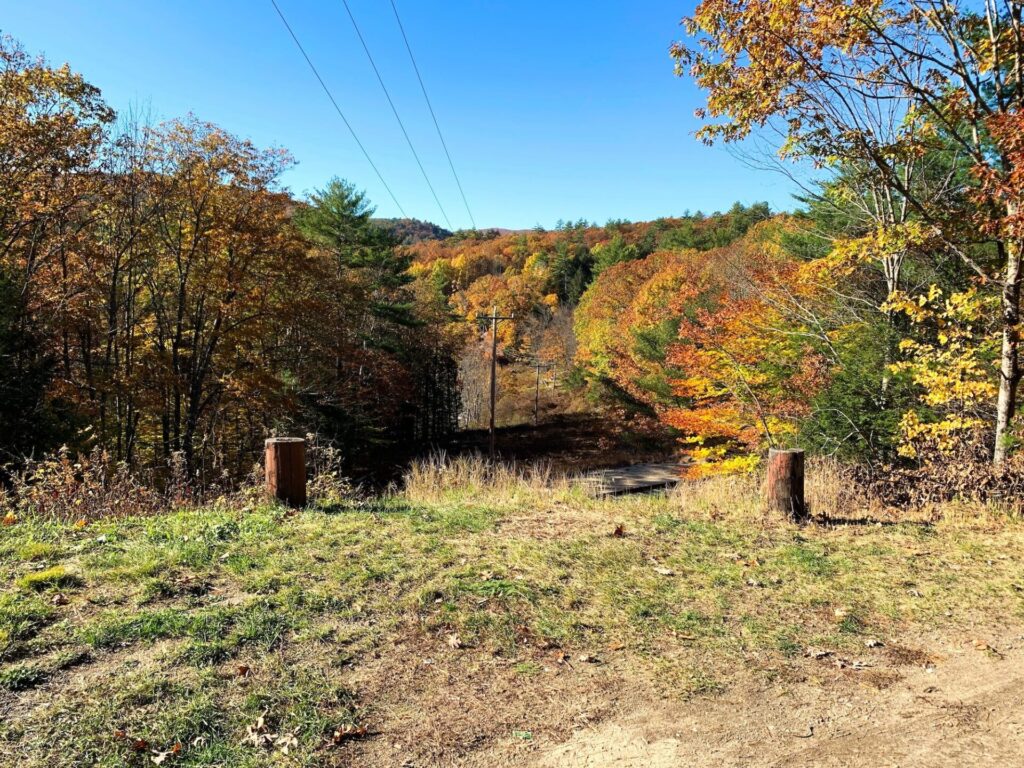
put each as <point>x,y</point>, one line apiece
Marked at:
<point>552,110</point>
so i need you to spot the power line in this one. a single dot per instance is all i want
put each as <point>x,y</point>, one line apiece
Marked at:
<point>395,111</point>
<point>430,106</point>
<point>337,108</point>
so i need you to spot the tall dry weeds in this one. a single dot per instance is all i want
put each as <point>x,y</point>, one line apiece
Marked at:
<point>440,477</point>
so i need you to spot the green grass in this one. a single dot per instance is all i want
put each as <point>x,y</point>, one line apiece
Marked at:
<point>161,614</point>
<point>56,577</point>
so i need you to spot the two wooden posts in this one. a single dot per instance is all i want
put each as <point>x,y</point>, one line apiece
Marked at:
<point>286,476</point>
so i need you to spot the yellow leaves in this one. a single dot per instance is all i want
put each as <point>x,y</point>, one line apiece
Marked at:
<point>943,435</point>
<point>534,263</point>
<point>709,463</point>
<point>885,242</point>
<point>954,372</point>
<point>899,302</point>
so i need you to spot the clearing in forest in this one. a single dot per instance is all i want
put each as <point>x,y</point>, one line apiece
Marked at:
<point>482,621</point>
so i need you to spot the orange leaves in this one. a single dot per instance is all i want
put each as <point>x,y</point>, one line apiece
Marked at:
<point>1001,188</point>
<point>711,341</point>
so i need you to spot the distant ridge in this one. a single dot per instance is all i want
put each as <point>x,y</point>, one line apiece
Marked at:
<point>412,231</point>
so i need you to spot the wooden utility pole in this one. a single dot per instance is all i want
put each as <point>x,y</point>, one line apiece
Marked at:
<point>495,319</point>
<point>536,396</point>
<point>784,484</point>
<point>286,470</point>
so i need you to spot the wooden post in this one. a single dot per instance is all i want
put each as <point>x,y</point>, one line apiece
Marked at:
<point>286,470</point>
<point>784,485</point>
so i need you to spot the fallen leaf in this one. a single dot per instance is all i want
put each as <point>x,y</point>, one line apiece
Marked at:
<point>159,758</point>
<point>257,734</point>
<point>243,670</point>
<point>140,745</point>
<point>285,742</point>
<point>620,531</point>
<point>454,641</point>
<point>348,732</point>
<point>10,518</point>
<point>873,643</point>
<point>588,658</point>
<point>59,599</point>
<point>664,571</point>
<point>981,645</point>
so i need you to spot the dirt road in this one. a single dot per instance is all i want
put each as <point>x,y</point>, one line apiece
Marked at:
<point>962,706</point>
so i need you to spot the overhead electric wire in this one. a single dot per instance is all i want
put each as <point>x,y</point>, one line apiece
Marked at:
<point>430,106</point>
<point>337,108</point>
<point>395,111</point>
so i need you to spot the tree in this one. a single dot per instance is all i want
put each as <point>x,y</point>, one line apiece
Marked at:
<point>616,251</point>
<point>878,85</point>
<point>375,367</point>
<point>52,125</point>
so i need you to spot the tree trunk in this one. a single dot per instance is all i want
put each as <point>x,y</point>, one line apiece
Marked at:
<point>1009,372</point>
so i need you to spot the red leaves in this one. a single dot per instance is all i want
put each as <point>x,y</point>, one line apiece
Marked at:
<point>1000,194</point>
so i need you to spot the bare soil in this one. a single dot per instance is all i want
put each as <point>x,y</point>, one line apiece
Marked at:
<point>949,702</point>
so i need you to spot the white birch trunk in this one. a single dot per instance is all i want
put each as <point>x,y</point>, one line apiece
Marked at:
<point>1009,373</point>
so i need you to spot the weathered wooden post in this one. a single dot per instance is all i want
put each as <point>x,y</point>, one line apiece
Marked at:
<point>286,470</point>
<point>784,485</point>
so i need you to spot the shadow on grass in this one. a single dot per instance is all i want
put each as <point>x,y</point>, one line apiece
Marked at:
<point>369,506</point>
<point>826,521</point>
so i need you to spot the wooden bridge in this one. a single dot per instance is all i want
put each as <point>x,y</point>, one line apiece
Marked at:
<point>633,479</point>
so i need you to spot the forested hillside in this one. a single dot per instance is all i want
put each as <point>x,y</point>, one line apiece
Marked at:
<point>410,231</point>
<point>166,302</point>
<point>538,278</point>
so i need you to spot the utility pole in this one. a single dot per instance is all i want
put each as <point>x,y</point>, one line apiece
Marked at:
<point>495,319</point>
<point>536,397</point>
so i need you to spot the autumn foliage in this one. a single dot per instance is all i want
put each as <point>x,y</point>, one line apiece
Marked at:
<point>165,297</point>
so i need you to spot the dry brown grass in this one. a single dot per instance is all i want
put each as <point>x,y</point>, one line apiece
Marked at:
<point>441,478</point>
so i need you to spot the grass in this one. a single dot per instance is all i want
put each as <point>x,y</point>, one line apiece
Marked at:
<point>127,637</point>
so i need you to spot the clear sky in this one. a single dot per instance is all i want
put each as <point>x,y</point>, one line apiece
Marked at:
<point>563,109</point>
